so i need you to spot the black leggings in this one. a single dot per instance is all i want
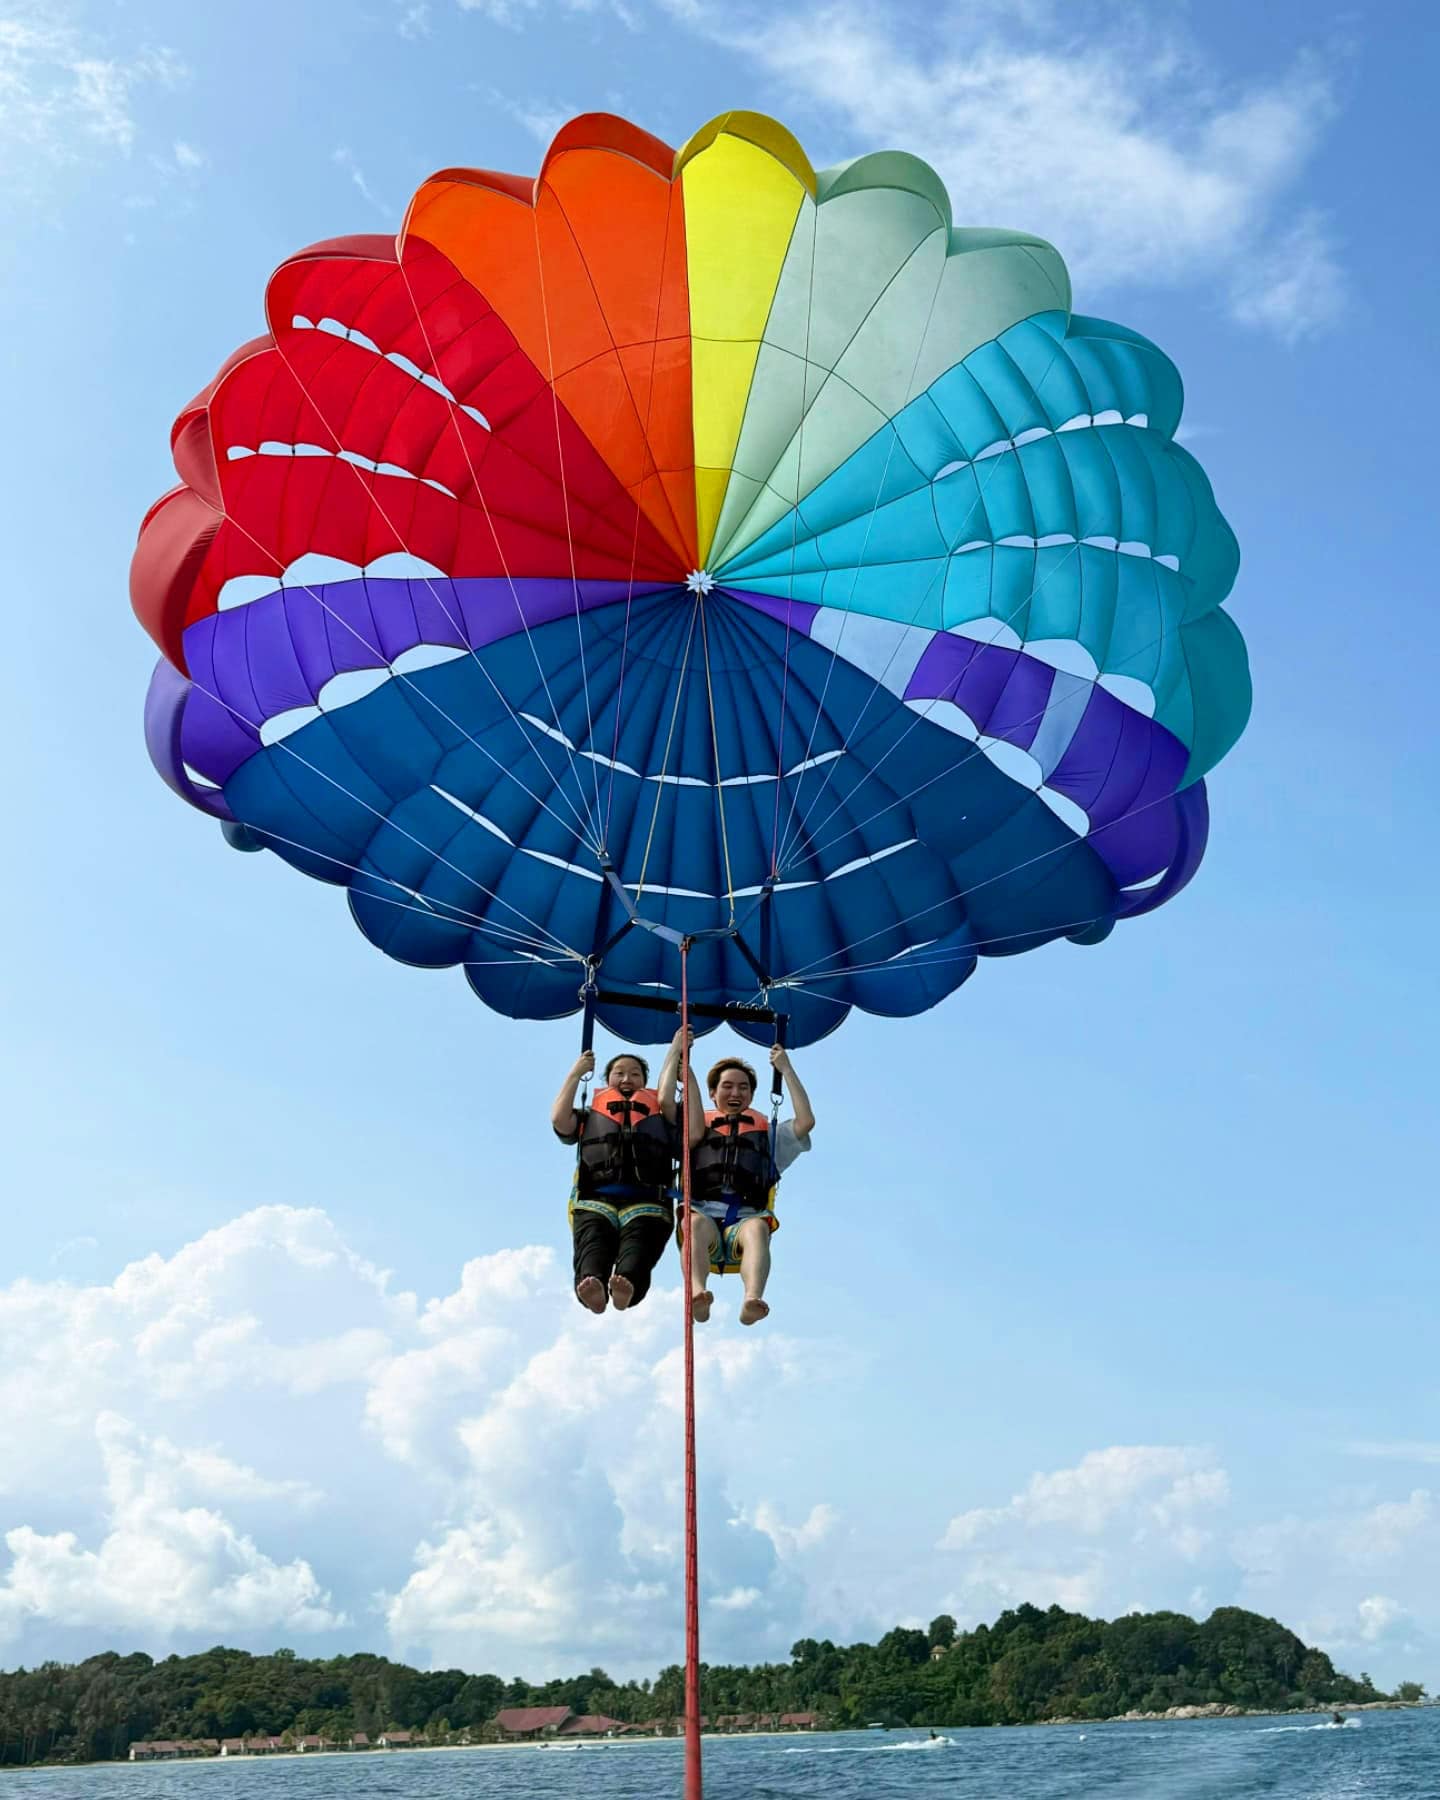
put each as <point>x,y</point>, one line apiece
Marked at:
<point>603,1250</point>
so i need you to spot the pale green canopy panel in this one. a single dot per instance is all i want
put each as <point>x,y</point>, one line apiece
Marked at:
<point>932,438</point>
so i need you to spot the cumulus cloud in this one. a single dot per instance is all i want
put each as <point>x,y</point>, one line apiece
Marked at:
<point>1378,1614</point>
<point>1146,1484</point>
<point>256,1434</point>
<point>1125,1526</point>
<point>165,1565</point>
<point>564,1531</point>
<point>1112,137</point>
<point>272,1303</point>
<point>789,1540</point>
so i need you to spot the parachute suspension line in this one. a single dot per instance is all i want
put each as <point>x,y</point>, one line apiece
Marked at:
<point>565,501</point>
<point>447,912</point>
<point>1000,622</point>
<point>460,439</point>
<point>879,494</point>
<point>409,686</point>
<point>976,504</point>
<point>541,934</point>
<point>635,536</point>
<point>715,750</point>
<point>919,716</point>
<point>970,750</point>
<point>953,899</point>
<point>457,625</point>
<point>669,741</point>
<point>794,543</point>
<point>692,1554</point>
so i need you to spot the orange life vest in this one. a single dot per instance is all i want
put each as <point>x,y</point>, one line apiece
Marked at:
<point>733,1160</point>
<point>625,1144</point>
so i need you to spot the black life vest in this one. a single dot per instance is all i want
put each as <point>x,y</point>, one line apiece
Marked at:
<point>625,1143</point>
<point>733,1158</point>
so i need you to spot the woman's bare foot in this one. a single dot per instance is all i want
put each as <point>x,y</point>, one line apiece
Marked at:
<point>591,1293</point>
<point>622,1291</point>
<point>700,1305</point>
<point>753,1311</point>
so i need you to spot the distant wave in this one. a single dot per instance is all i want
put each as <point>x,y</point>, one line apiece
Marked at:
<point>1325,1725</point>
<point>936,1743</point>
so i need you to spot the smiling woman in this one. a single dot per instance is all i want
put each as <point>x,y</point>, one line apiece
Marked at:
<point>688,545</point>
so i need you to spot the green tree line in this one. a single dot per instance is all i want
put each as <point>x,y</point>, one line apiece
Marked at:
<point>1029,1665</point>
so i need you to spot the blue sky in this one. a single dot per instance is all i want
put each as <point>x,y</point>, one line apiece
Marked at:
<point>1131,1302</point>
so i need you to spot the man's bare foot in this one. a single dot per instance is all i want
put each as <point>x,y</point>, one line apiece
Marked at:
<point>700,1305</point>
<point>753,1311</point>
<point>591,1293</point>
<point>622,1291</point>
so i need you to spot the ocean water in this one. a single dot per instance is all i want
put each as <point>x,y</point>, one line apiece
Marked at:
<point>1381,1756</point>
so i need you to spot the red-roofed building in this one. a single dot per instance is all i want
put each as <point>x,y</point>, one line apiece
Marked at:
<point>395,1740</point>
<point>359,1740</point>
<point>591,1725</point>
<point>531,1721</point>
<point>799,1721</point>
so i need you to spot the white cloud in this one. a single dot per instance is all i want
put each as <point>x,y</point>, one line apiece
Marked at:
<point>62,98</point>
<point>515,14</point>
<point>257,1434</point>
<point>1114,140</point>
<point>1378,1614</point>
<point>272,1303</point>
<point>165,1566</point>
<point>565,1514</point>
<point>790,1540</point>
<point>414,20</point>
<point>1293,287</point>
<point>257,1422</point>
<point>1125,1526</point>
<point>1414,1450</point>
<point>540,118</point>
<point>737,1600</point>
<point>346,160</point>
<point>1142,1482</point>
<point>1388,1528</point>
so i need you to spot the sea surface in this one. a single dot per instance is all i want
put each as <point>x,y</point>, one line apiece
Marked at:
<point>1381,1756</point>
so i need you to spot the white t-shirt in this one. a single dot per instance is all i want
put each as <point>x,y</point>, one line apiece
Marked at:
<point>788,1145</point>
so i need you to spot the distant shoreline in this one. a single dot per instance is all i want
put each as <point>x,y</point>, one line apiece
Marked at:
<point>1172,1716</point>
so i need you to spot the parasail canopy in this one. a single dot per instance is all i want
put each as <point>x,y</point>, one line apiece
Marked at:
<point>691,544</point>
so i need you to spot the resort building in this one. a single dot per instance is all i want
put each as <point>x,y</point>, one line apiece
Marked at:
<point>519,1723</point>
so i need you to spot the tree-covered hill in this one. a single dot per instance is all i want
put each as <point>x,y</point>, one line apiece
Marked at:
<point>1029,1665</point>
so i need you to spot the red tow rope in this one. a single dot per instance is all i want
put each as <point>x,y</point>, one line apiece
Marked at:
<point>692,1561</point>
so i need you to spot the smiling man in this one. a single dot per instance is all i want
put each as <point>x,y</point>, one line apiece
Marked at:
<point>733,1167</point>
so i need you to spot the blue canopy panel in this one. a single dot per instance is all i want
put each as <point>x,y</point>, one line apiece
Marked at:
<point>870,804</point>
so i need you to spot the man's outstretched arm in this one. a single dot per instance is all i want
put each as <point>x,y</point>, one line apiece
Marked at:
<point>795,1088</point>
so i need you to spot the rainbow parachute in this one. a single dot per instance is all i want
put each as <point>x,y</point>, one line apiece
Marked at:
<point>691,545</point>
